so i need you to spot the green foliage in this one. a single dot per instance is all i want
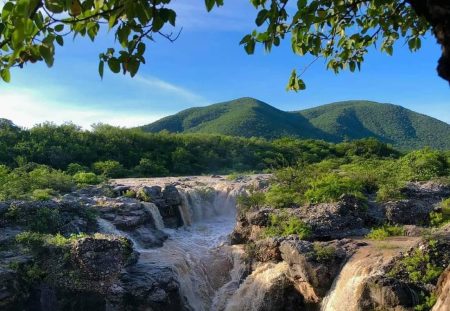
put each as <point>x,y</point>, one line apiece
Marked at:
<point>323,253</point>
<point>330,187</point>
<point>147,167</point>
<point>83,178</point>
<point>442,216</point>
<point>326,30</point>
<point>364,121</point>
<point>252,200</point>
<point>74,168</point>
<point>427,302</point>
<point>419,266</point>
<point>130,194</point>
<point>109,168</point>
<point>283,225</point>
<point>423,165</point>
<point>32,182</point>
<point>385,231</point>
<point>42,194</point>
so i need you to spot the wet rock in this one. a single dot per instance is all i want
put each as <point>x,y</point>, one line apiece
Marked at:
<point>102,257</point>
<point>382,293</point>
<point>171,195</point>
<point>149,237</point>
<point>120,189</point>
<point>267,250</point>
<point>268,288</point>
<point>144,287</point>
<point>150,194</point>
<point>314,266</point>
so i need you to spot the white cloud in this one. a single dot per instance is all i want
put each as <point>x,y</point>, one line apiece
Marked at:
<point>27,107</point>
<point>172,89</point>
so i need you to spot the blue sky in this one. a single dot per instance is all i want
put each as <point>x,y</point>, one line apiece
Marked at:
<point>206,65</point>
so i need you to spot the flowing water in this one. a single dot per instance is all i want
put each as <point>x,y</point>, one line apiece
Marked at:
<point>208,269</point>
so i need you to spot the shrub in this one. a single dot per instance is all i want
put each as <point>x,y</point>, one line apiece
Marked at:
<point>323,253</point>
<point>130,194</point>
<point>83,178</point>
<point>74,168</point>
<point>441,217</point>
<point>253,199</point>
<point>109,168</point>
<point>384,232</point>
<point>423,165</point>
<point>284,225</point>
<point>42,194</point>
<point>330,187</point>
<point>148,167</point>
<point>278,196</point>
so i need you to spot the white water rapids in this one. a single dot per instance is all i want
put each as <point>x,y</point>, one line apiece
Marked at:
<point>205,264</point>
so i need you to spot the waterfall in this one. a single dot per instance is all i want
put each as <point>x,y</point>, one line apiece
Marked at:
<point>108,228</point>
<point>348,286</point>
<point>252,293</point>
<point>157,218</point>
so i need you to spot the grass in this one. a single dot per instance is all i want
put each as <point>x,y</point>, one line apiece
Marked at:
<point>382,233</point>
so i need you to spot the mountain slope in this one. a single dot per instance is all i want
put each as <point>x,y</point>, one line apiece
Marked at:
<point>246,117</point>
<point>334,122</point>
<point>393,124</point>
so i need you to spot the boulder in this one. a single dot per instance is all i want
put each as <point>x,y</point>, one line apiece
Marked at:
<point>145,287</point>
<point>101,257</point>
<point>314,266</point>
<point>384,293</point>
<point>171,195</point>
<point>408,212</point>
<point>335,220</point>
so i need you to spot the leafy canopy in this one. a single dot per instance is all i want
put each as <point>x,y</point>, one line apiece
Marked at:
<point>341,31</point>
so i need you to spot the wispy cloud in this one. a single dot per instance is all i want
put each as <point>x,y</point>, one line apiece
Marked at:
<point>27,107</point>
<point>174,90</point>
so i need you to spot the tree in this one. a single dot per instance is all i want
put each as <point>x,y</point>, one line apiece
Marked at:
<point>341,31</point>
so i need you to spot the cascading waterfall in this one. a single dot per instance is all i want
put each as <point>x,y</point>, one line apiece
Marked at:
<point>348,286</point>
<point>197,251</point>
<point>251,293</point>
<point>108,228</point>
<point>153,209</point>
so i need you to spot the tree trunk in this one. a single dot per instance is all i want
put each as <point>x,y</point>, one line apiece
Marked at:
<point>437,13</point>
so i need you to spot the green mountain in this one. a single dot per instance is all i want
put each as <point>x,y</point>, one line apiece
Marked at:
<point>334,122</point>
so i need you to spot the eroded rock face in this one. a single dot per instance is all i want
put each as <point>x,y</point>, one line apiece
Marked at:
<point>381,293</point>
<point>314,266</point>
<point>144,287</point>
<point>101,258</point>
<point>407,212</point>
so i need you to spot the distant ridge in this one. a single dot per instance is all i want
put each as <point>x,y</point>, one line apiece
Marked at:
<point>335,122</point>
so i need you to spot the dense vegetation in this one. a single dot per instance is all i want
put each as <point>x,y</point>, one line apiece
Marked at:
<point>363,176</point>
<point>403,128</point>
<point>47,158</point>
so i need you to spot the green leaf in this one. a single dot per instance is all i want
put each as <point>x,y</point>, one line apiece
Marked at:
<point>114,65</point>
<point>209,4</point>
<point>46,54</point>
<point>101,68</point>
<point>6,75</point>
<point>59,27</point>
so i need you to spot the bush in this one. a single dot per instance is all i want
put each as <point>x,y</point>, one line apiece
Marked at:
<point>280,197</point>
<point>109,168</point>
<point>74,168</point>
<point>83,178</point>
<point>253,199</point>
<point>384,232</point>
<point>42,194</point>
<point>22,181</point>
<point>148,167</point>
<point>323,253</point>
<point>130,194</point>
<point>422,165</point>
<point>284,225</point>
<point>442,216</point>
<point>330,187</point>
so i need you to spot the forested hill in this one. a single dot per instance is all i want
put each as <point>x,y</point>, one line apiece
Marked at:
<point>334,122</point>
